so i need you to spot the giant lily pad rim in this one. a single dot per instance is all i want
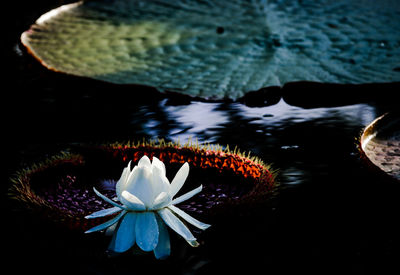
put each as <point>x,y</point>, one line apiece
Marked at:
<point>22,191</point>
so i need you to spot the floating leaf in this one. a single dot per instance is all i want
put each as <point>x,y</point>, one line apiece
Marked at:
<point>61,188</point>
<point>380,144</point>
<point>221,48</point>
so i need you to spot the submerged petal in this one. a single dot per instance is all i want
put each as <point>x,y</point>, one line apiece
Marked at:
<point>107,223</point>
<point>187,195</point>
<point>111,229</point>
<point>132,202</point>
<point>189,218</point>
<point>177,225</point>
<point>124,237</point>
<point>179,179</point>
<point>163,248</point>
<point>146,231</point>
<point>103,213</point>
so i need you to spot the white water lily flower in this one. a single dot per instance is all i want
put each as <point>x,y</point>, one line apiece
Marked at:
<point>147,206</point>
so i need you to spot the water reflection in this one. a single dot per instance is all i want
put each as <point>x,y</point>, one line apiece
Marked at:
<point>209,121</point>
<point>200,120</point>
<point>290,137</point>
<point>283,114</point>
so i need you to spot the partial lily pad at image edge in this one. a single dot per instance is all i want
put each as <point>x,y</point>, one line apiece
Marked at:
<point>61,188</point>
<point>380,144</point>
<point>220,49</point>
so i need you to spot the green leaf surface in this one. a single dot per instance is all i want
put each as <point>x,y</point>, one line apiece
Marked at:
<point>218,49</point>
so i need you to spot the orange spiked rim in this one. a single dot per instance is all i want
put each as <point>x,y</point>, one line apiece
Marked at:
<point>245,181</point>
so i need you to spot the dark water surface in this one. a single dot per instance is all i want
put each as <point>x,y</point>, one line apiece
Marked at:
<point>333,214</point>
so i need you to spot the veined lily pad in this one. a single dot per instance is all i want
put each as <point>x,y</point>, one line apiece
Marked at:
<point>221,48</point>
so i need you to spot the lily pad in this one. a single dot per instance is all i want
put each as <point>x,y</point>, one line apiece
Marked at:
<point>380,144</point>
<point>221,48</point>
<point>61,188</point>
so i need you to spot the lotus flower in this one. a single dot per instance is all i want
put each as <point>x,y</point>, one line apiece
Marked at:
<point>147,206</point>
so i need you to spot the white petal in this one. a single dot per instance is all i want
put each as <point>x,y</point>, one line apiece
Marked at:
<point>159,164</point>
<point>161,201</point>
<point>146,231</point>
<point>144,162</point>
<point>187,195</point>
<point>163,248</point>
<point>128,179</point>
<point>132,202</point>
<point>175,224</point>
<point>106,224</point>
<point>107,199</point>
<point>159,181</point>
<point>126,172</point>
<point>103,213</point>
<point>179,179</point>
<point>189,218</point>
<point>124,237</point>
<point>119,187</point>
<point>140,184</point>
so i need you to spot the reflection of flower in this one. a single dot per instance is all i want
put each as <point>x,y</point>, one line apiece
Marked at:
<point>147,203</point>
